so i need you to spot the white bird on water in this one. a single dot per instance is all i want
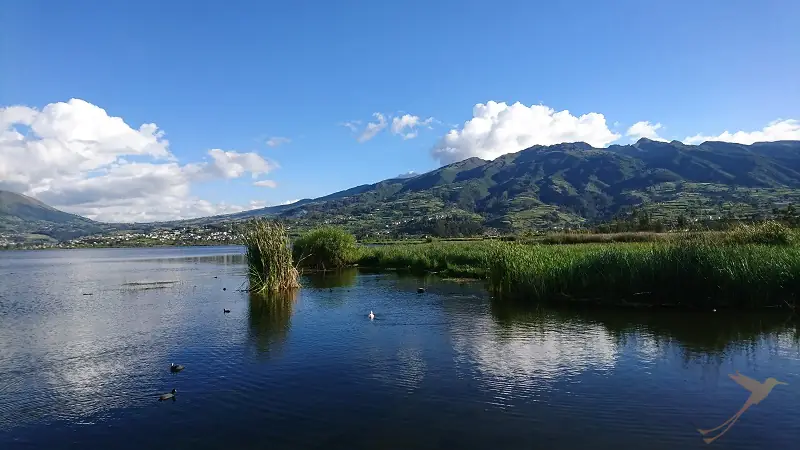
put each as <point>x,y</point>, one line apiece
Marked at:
<point>371,316</point>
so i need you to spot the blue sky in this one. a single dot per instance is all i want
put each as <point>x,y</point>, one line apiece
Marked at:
<point>230,75</point>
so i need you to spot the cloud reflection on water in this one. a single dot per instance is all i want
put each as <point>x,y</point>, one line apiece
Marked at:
<point>86,355</point>
<point>520,360</point>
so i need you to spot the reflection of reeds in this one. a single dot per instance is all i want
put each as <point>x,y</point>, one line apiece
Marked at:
<point>269,257</point>
<point>697,333</point>
<point>224,259</point>
<point>270,317</point>
<point>333,279</point>
<point>753,266</point>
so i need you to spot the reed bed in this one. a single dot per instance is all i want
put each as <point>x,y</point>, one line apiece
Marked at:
<point>773,233</point>
<point>690,273</point>
<point>604,238</point>
<point>750,267</point>
<point>447,258</point>
<point>269,257</point>
<point>325,248</point>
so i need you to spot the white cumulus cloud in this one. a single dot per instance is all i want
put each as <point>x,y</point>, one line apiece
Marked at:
<point>778,130</point>
<point>409,174</point>
<point>352,125</point>
<point>406,125</point>
<point>370,130</point>
<point>277,141</point>
<point>266,183</point>
<point>645,129</point>
<point>499,128</point>
<point>233,164</point>
<point>76,157</point>
<point>373,128</point>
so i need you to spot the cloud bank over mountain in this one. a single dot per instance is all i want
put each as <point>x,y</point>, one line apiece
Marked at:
<point>73,155</point>
<point>76,157</point>
<point>497,128</point>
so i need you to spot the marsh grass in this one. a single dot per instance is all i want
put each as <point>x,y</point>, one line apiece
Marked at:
<point>325,248</point>
<point>269,257</point>
<point>691,273</point>
<point>748,267</point>
<point>771,232</point>
<point>603,238</point>
<point>446,258</point>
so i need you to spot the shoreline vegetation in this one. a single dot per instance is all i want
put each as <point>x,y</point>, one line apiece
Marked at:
<point>749,267</point>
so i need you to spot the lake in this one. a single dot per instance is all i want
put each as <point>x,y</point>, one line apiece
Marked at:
<point>450,368</point>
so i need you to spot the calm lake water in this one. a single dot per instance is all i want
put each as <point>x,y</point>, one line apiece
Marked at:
<point>446,369</point>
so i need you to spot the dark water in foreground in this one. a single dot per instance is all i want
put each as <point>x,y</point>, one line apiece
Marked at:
<point>446,369</point>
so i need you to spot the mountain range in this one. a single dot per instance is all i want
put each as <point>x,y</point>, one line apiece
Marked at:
<point>539,187</point>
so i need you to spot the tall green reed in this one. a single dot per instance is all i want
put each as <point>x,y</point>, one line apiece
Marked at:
<point>269,257</point>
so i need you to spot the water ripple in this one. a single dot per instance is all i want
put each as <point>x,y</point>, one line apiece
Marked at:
<point>449,368</point>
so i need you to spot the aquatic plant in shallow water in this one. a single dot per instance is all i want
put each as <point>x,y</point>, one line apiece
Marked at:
<point>693,273</point>
<point>767,233</point>
<point>326,247</point>
<point>447,258</point>
<point>749,267</point>
<point>269,257</point>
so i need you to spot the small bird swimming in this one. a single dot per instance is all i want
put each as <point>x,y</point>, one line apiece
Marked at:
<point>175,367</point>
<point>371,315</point>
<point>225,311</point>
<point>171,395</point>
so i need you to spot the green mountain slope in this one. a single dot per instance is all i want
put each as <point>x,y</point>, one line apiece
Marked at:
<point>30,209</point>
<point>573,183</point>
<point>26,218</point>
<point>539,187</point>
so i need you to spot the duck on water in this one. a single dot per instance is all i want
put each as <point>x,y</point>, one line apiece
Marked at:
<point>171,395</point>
<point>175,367</point>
